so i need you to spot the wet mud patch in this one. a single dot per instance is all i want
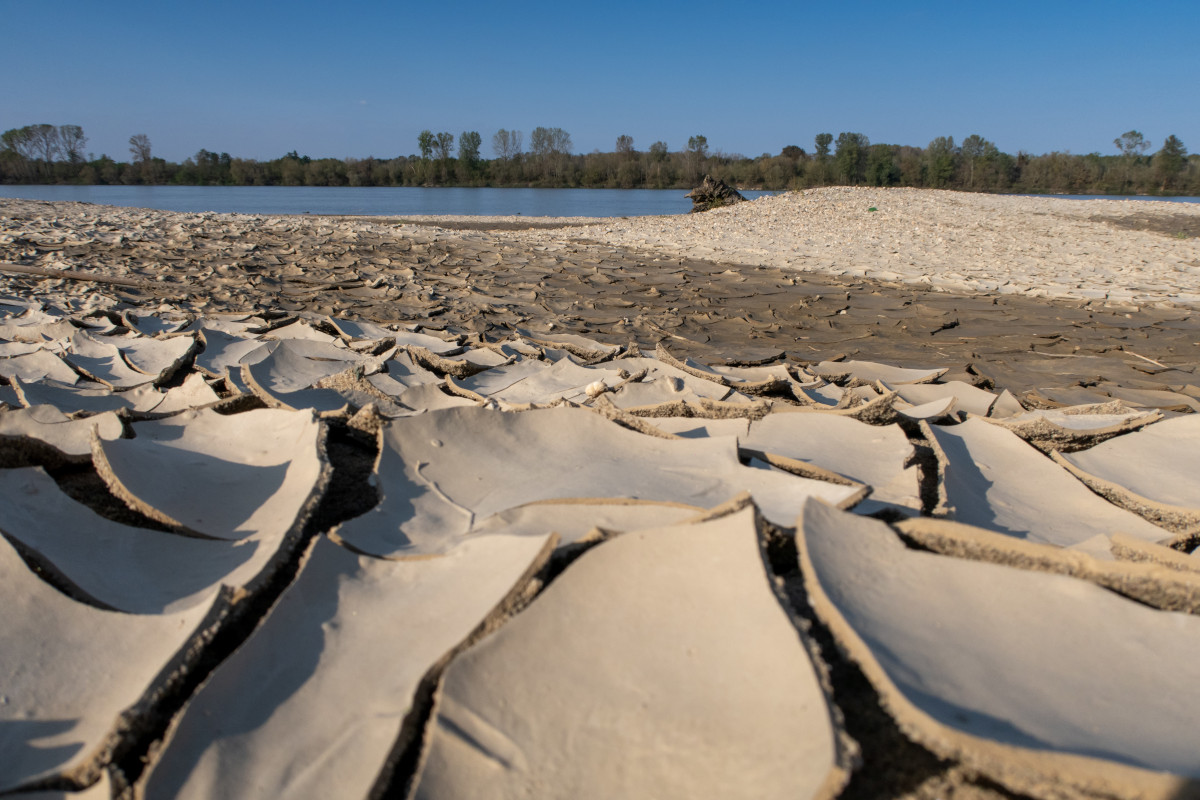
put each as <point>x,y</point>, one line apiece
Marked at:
<point>482,224</point>
<point>1177,226</point>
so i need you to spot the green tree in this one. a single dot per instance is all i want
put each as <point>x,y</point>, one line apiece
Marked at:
<point>695,156</point>
<point>550,141</point>
<point>17,154</point>
<point>625,146</point>
<point>823,140</point>
<point>73,142</point>
<point>1131,144</point>
<point>552,147</point>
<point>468,147</point>
<point>443,145</point>
<point>139,148</point>
<point>109,171</point>
<point>976,150</point>
<point>630,174</point>
<point>882,169</point>
<point>940,158</point>
<point>45,142</point>
<point>468,155</point>
<point>658,151</point>
<point>425,143</point>
<point>507,147</point>
<point>19,141</point>
<point>1170,161</point>
<point>291,169</point>
<point>851,156</point>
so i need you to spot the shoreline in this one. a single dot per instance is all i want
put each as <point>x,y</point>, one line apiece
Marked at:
<point>714,285</point>
<point>1122,251</point>
<point>955,241</point>
<point>970,242</point>
<point>679,188</point>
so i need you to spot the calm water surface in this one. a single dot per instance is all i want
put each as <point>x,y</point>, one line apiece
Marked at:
<point>385,201</point>
<point>401,201</point>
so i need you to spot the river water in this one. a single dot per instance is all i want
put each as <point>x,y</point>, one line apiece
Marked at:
<point>396,201</point>
<point>382,201</point>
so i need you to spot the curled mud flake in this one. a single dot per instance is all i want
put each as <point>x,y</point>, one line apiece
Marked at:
<point>1125,470</point>
<point>224,477</point>
<point>493,460</point>
<point>996,481</point>
<point>1024,727</point>
<point>350,643</point>
<point>654,665</point>
<point>73,686</point>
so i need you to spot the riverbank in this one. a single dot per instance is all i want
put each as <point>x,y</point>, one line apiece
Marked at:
<point>1119,250</point>
<point>814,276</point>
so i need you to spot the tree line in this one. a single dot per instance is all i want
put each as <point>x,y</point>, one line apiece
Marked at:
<point>48,154</point>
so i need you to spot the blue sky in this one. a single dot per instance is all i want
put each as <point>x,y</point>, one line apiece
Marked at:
<point>357,79</point>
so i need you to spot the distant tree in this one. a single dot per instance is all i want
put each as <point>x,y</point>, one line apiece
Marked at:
<point>443,145</point>
<point>793,152</point>
<point>206,169</point>
<point>425,142</point>
<point>549,141</point>
<point>851,156</point>
<point>1131,144</point>
<point>625,146</point>
<point>45,141</point>
<point>17,155</point>
<point>20,142</point>
<point>73,142</point>
<point>468,156</point>
<point>882,169</point>
<point>507,144</point>
<point>552,146</point>
<point>291,169</point>
<point>976,149</point>
<point>658,151</point>
<point>468,146</point>
<point>694,155</point>
<point>940,157</point>
<point>539,141</point>
<point>561,141</point>
<point>139,147</point>
<point>823,140</point>
<point>1170,161</point>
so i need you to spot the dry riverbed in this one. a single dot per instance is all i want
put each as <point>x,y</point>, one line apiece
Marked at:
<point>793,498</point>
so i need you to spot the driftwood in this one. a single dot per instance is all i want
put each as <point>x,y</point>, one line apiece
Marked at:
<point>713,194</point>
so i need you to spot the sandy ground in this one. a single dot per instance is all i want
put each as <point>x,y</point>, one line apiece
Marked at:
<point>1049,247</point>
<point>951,241</point>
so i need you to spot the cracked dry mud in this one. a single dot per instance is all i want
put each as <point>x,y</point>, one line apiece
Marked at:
<point>327,507</point>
